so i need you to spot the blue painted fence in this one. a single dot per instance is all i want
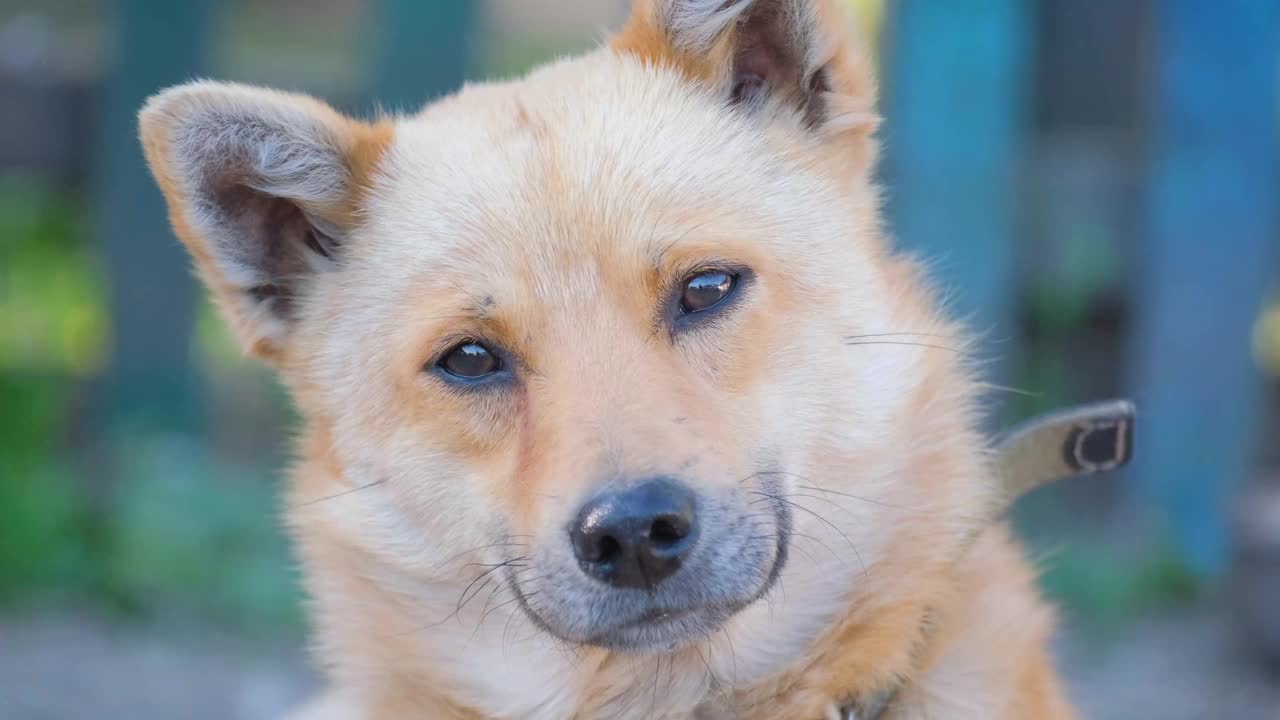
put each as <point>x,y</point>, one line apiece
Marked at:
<point>1207,256</point>
<point>956,76</point>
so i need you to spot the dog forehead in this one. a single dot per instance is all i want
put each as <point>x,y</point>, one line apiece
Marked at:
<point>573,159</point>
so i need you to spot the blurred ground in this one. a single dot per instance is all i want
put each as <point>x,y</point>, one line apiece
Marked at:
<point>60,666</point>
<point>1177,665</point>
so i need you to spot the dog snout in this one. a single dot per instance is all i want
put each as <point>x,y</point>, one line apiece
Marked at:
<point>636,536</point>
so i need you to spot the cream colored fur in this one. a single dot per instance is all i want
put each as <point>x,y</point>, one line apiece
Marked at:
<point>547,213</point>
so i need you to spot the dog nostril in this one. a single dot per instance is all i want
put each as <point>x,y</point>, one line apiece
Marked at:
<point>606,550</point>
<point>667,531</point>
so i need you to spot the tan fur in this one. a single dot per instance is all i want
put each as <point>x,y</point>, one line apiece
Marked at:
<point>549,216</point>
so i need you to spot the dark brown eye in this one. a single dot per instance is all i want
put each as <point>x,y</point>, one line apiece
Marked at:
<point>706,290</point>
<point>470,361</point>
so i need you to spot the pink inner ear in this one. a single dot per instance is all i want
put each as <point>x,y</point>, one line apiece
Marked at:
<point>746,89</point>
<point>759,59</point>
<point>769,57</point>
<point>320,243</point>
<point>752,69</point>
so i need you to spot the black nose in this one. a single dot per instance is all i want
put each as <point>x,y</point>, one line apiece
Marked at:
<point>636,537</point>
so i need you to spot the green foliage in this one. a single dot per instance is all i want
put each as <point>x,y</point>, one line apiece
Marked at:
<point>52,315</point>
<point>179,533</point>
<point>1104,588</point>
<point>51,329</point>
<point>150,522</point>
<point>40,546</point>
<point>188,533</point>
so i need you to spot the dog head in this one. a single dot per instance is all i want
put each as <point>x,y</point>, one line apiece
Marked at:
<point>623,333</point>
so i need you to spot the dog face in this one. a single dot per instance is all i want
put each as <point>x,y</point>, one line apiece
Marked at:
<point>589,331</point>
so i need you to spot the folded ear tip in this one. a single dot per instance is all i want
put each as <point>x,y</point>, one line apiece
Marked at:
<point>166,107</point>
<point>172,96</point>
<point>158,110</point>
<point>201,94</point>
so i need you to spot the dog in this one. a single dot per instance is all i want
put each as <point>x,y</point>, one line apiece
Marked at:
<point>617,400</point>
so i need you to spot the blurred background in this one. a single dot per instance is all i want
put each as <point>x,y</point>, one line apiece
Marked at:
<point>1097,183</point>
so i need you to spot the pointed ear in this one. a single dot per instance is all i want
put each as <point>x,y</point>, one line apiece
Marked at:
<point>798,58</point>
<point>263,188</point>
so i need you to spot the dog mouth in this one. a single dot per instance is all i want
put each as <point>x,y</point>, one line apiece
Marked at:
<point>653,630</point>
<point>662,630</point>
<point>661,621</point>
<point>657,617</point>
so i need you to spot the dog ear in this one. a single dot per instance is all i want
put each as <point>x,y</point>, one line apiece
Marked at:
<point>263,189</point>
<point>800,58</point>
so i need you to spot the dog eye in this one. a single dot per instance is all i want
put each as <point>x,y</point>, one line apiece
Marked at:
<point>706,290</point>
<point>470,361</point>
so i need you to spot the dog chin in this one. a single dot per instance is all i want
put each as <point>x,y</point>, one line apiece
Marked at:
<point>656,630</point>
<point>662,631</point>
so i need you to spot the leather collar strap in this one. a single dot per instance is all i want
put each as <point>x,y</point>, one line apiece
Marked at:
<point>1078,441</point>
